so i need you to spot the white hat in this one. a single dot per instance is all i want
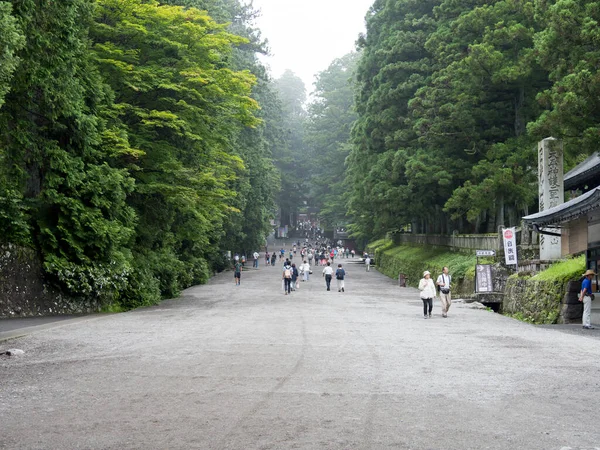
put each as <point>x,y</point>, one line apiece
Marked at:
<point>427,272</point>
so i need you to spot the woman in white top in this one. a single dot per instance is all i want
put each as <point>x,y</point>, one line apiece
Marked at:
<point>305,269</point>
<point>427,289</point>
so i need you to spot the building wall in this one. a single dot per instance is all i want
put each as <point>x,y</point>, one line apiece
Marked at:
<point>576,239</point>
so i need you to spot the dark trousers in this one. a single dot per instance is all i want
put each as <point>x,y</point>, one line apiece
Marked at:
<point>427,303</point>
<point>328,281</point>
<point>287,287</point>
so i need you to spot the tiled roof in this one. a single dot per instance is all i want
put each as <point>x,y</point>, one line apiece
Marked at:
<point>567,211</point>
<point>585,173</point>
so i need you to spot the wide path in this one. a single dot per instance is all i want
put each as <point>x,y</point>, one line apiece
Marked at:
<point>228,367</point>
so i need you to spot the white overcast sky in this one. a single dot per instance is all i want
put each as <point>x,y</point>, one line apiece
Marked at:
<point>305,36</point>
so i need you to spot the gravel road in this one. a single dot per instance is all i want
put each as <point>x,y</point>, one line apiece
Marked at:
<point>247,367</point>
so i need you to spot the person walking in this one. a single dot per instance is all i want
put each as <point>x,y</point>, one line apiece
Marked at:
<point>305,269</point>
<point>294,277</point>
<point>427,289</point>
<point>256,256</point>
<point>237,272</point>
<point>327,273</point>
<point>585,296</point>
<point>287,277</point>
<point>443,282</point>
<point>340,274</point>
<point>368,263</point>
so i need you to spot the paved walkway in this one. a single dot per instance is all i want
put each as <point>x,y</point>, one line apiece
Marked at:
<point>228,367</point>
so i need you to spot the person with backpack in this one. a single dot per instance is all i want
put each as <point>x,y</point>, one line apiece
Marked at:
<point>340,273</point>
<point>328,273</point>
<point>287,277</point>
<point>237,272</point>
<point>294,277</point>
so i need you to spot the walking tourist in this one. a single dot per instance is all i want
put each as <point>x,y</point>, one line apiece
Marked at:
<point>294,277</point>
<point>327,273</point>
<point>586,297</point>
<point>237,272</point>
<point>305,269</point>
<point>427,289</point>
<point>340,273</point>
<point>287,277</point>
<point>368,263</point>
<point>256,256</point>
<point>443,282</point>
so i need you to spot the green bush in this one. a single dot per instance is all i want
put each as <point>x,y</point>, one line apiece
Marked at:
<point>414,260</point>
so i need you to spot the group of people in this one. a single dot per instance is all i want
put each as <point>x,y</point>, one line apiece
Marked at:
<point>292,274</point>
<point>429,292</point>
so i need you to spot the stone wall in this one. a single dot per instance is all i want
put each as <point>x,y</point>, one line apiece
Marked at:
<point>24,293</point>
<point>540,301</point>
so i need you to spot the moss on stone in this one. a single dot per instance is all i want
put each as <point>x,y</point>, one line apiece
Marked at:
<point>538,299</point>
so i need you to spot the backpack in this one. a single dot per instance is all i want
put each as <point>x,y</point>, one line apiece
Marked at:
<point>287,273</point>
<point>339,274</point>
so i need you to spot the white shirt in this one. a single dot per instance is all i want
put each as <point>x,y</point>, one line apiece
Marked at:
<point>256,255</point>
<point>328,270</point>
<point>444,281</point>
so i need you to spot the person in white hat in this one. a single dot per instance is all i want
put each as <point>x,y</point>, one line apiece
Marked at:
<point>585,296</point>
<point>427,289</point>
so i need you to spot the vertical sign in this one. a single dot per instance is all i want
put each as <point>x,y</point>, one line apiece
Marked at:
<point>510,245</point>
<point>551,192</point>
<point>483,277</point>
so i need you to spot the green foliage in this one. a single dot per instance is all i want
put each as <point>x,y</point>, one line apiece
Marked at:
<point>67,199</point>
<point>453,96</point>
<point>414,260</point>
<point>330,118</point>
<point>537,299</point>
<point>132,148</point>
<point>11,41</point>
<point>563,271</point>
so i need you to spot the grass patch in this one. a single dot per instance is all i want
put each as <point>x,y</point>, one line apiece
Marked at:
<point>560,272</point>
<point>414,260</point>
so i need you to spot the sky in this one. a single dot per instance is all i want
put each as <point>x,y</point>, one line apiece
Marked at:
<point>305,36</point>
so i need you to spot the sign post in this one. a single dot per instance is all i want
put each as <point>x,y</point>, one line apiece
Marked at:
<point>483,273</point>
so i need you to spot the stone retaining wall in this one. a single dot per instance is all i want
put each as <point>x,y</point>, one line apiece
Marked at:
<point>542,301</point>
<point>24,293</point>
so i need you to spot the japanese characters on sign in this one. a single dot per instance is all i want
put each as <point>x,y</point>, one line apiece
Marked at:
<point>551,191</point>
<point>484,280</point>
<point>510,245</point>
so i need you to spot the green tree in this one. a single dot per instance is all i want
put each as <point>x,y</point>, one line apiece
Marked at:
<point>331,115</point>
<point>71,203</point>
<point>568,47</point>
<point>291,156</point>
<point>182,107</point>
<point>11,40</point>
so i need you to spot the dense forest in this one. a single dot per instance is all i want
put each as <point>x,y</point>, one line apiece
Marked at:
<point>142,140</point>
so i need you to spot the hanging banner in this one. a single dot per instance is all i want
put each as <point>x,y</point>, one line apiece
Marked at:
<point>510,245</point>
